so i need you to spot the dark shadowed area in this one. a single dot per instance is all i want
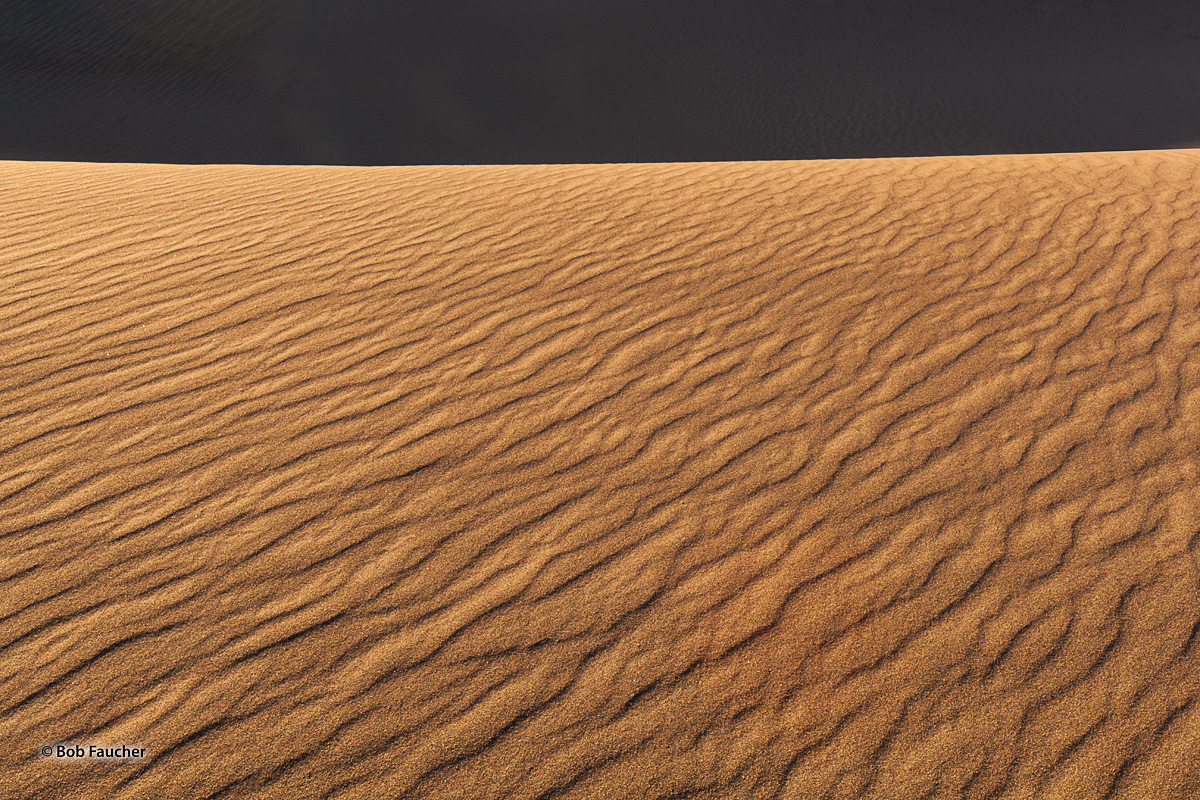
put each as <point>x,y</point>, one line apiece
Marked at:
<point>379,82</point>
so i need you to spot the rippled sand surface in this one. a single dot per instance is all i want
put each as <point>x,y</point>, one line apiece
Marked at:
<point>839,479</point>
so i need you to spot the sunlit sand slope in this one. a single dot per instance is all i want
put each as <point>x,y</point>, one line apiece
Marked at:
<point>796,479</point>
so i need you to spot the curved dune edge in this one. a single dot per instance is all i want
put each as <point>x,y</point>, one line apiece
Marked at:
<point>778,479</point>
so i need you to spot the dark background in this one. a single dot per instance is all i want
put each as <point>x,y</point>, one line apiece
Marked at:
<point>371,82</point>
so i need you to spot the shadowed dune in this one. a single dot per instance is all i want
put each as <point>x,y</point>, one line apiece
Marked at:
<point>387,82</point>
<point>785,479</point>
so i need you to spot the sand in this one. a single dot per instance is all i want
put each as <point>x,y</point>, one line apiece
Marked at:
<point>840,479</point>
<point>386,82</point>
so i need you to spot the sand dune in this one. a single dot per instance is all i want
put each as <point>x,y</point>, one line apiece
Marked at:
<point>385,82</point>
<point>784,479</point>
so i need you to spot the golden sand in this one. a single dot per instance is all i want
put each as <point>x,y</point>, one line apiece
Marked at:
<point>840,479</point>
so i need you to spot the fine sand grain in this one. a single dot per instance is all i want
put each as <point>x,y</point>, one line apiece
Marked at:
<point>784,479</point>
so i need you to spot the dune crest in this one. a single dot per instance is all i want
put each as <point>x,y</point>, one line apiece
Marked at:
<point>835,479</point>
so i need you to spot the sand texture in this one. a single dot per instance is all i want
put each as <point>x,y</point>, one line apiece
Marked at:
<point>842,479</point>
